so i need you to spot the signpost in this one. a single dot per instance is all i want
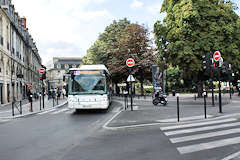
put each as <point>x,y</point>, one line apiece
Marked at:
<point>217,58</point>
<point>41,70</point>
<point>130,63</point>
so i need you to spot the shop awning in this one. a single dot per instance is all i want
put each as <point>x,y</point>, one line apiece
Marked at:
<point>28,84</point>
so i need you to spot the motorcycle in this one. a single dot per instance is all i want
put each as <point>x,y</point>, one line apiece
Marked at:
<point>160,98</point>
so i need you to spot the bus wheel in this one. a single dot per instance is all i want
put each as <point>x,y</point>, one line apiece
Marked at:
<point>77,110</point>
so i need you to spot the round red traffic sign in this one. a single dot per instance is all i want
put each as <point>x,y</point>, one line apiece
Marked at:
<point>42,70</point>
<point>130,62</point>
<point>217,56</point>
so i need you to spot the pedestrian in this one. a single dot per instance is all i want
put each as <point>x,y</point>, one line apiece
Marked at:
<point>58,93</point>
<point>63,92</point>
<point>30,96</point>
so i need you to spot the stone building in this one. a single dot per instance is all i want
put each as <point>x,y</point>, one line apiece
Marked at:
<point>19,58</point>
<point>58,68</point>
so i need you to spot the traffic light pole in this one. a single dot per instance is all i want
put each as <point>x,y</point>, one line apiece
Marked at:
<point>42,93</point>
<point>213,104</point>
<point>220,94</point>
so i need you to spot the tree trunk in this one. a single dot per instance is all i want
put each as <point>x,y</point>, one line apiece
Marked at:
<point>200,88</point>
<point>142,90</point>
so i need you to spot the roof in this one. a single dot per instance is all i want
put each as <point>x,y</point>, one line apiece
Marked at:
<point>92,67</point>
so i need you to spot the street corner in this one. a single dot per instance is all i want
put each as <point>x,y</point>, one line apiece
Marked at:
<point>135,118</point>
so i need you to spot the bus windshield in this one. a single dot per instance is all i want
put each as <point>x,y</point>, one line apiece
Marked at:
<point>88,83</point>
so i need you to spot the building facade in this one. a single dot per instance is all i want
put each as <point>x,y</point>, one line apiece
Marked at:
<point>58,68</point>
<point>19,58</point>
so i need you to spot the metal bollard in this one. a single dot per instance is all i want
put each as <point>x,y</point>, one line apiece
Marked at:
<point>205,105</point>
<point>53,101</point>
<point>20,107</point>
<point>195,97</point>
<point>12,108</point>
<point>178,115</point>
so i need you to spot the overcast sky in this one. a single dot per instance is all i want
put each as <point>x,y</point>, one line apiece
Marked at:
<point>69,27</point>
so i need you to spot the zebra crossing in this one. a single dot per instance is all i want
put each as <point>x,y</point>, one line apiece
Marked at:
<point>205,135</point>
<point>54,111</point>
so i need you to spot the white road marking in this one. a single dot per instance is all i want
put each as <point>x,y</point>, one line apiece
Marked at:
<point>6,111</point>
<point>201,129</point>
<point>208,145</point>
<point>183,119</point>
<point>204,135</point>
<point>230,157</point>
<point>61,110</point>
<point>47,111</point>
<point>197,124</point>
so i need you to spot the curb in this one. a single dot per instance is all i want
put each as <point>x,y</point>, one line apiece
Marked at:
<point>29,114</point>
<point>163,121</point>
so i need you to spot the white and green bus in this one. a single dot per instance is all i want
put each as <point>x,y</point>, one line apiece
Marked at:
<point>89,87</point>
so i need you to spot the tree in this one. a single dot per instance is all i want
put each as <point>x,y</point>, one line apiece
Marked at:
<point>100,51</point>
<point>193,28</point>
<point>119,41</point>
<point>132,42</point>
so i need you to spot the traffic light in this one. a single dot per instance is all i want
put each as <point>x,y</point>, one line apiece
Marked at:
<point>44,75</point>
<point>207,62</point>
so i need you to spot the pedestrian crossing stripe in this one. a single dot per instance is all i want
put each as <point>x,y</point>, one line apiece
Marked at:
<point>50,110</point>
<point>197,124</point>
<point>183,119</point>
<point>192,134</point>
<point>202,129</point>
<point>204,135</point>
<point>208,145</point>
<point>59,111</point>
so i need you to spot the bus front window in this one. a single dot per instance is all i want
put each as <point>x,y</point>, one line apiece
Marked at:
<point>88,84</point>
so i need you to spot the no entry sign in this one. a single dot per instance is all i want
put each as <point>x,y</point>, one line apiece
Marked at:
<point>130,62</point>
<point>42,70</point>
<point>217,56</point>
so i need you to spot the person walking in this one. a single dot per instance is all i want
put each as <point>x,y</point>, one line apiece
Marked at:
<point>30,96</point>
<point>63,92</point>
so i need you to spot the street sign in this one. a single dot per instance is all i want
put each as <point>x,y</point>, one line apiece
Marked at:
<point>217,56</point>
<point>42,70</point>
<point>130,78</point>
<point>130,62</point>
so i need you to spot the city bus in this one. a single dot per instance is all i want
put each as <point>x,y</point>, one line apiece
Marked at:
<point>89,87</point>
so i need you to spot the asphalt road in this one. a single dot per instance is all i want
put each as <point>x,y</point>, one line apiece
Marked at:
<point>63,134</point>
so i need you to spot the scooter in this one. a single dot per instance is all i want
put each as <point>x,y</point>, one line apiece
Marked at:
<point>160,98</point>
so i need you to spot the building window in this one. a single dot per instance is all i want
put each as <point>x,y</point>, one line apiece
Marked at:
<point>55,65</point>
<point>62,66</point>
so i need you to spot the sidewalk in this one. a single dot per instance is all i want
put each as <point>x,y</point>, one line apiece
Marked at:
<point>144,112</point>
<point>6,110</point>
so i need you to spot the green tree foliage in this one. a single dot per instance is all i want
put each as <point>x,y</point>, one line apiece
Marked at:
<point>99,52</point>
<point>119,41</point>
<point>193,28</point>
<point>132,42</point>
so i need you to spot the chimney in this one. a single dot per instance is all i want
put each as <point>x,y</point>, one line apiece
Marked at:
<point>25,22</point>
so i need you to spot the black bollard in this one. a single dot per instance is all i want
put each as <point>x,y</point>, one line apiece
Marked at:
<point>205,106</point>
<point>178,107</point>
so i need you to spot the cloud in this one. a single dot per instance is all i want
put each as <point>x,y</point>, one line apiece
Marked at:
<point>154,9</point>
<point>90,15</point>
<point>60,49</point>
<point>56,23</point>
<point>136,4</point>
